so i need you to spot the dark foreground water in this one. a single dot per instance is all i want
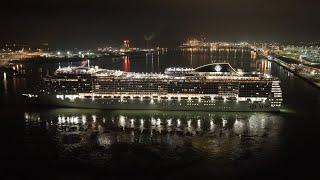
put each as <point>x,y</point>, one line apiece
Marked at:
<point>55,143</point>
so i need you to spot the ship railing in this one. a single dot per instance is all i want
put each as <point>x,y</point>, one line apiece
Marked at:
<point>168,97</point>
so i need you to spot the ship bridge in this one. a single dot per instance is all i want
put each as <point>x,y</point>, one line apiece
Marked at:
<point>216,68</point>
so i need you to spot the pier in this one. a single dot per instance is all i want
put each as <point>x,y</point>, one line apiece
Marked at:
<point>297,68</point>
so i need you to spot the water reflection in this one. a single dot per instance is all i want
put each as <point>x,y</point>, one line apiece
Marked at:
<point>126,64</point>
<point>5,83</point>
<point>213,133</point>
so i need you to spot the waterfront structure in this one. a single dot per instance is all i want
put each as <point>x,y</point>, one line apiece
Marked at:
<point>309,55</point>
<point>212,87</point>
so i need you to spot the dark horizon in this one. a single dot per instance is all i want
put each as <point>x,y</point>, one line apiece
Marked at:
<point>93,23</point>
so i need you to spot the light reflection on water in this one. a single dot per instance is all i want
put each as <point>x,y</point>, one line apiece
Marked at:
<point>217,134</point>
<point>5,83</point>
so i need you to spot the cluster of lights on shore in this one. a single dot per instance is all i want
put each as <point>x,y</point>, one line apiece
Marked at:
<point>69,53</point>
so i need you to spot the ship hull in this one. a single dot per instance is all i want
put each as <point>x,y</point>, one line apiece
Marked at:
<point>116,104</point>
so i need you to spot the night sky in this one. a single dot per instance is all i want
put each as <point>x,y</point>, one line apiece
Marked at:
<point>90,23</point>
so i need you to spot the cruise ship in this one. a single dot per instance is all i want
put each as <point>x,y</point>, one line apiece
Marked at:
<point>212,87</point>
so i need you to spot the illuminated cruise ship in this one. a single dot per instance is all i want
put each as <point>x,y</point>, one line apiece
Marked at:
<point>212,87</point>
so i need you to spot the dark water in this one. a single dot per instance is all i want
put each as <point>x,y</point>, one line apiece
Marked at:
<point>55,143</point>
